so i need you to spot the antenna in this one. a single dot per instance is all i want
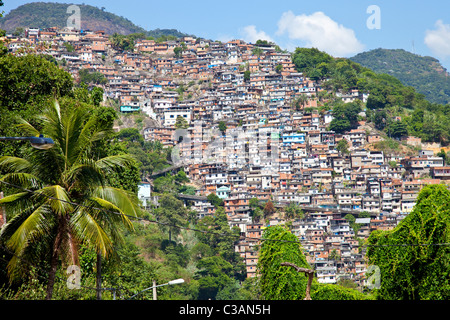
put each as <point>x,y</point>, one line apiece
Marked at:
<point>413,50</point>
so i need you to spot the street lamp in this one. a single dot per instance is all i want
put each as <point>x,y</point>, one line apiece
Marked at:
<point>177,281</point>
<point>36,142</point>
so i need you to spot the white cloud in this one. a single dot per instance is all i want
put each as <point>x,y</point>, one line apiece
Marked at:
<point>250,34</point>
<point>438,40</point>
<point>320,31</point>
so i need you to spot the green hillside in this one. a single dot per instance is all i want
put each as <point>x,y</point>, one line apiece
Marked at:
<point>46,15</point>
<point>388,98</point>
<point>424,73</point>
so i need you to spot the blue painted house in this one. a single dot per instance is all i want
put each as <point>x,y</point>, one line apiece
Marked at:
<point>293,137</point>
<point>129,109</point>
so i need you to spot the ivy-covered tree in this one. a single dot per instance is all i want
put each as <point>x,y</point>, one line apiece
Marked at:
<point>413,260</point>
<point>279,282</point>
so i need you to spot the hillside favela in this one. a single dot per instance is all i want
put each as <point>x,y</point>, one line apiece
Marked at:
<point>161,165</point>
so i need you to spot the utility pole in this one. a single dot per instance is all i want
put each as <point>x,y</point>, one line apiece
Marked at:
<point>154,290</point>
<point>99,276</point>
<point>2,213</point>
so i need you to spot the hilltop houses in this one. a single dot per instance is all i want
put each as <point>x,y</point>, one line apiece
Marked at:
<point>270,150</point>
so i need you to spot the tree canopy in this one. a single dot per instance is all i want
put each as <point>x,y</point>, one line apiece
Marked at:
<point>387,97</point>
<point>59,177</point>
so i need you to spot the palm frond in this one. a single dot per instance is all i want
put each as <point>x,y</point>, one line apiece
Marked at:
<point>29,229</point>
<point>24,180</point>
<point>48,165</point>
<point>112,163</point>
<point>90,134</point>
<point>25,127</point>
<point>125,201</point>
<point>14,164</point>
<point>74,125</point>
<point>58,178</point>
<point>85,174</point>
<point>87,229</point>
<point>58,199</point>
<point>20,203</point>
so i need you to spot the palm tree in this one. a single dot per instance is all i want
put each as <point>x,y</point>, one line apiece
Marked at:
<point>66,188</point>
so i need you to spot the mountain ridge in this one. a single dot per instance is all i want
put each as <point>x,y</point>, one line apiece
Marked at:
<point>49,14</point>
<point>424,73</point>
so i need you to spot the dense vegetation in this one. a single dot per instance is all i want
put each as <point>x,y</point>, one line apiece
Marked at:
<point>425,74</point>
<point>414,258</point>
<point>396,109</point>
<point>278,282</point>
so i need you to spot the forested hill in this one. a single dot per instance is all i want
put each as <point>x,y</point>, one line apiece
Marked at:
<point>46,15</point>
<point>423,73</point>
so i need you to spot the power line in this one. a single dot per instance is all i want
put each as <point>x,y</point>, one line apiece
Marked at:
<point>128,216</point>
<point>207,231</point>
<point>114,290</point>
<point>80,286</point>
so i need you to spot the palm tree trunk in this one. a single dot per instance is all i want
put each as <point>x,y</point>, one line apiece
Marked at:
<point>51,277</point>
<point>54,263</point>
<point>99,276</point>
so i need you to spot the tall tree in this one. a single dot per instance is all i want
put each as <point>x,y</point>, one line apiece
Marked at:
<point>171,213</point>
<point>222,127</point>
<point>269,209</point>
<point>66,186</point>
<point>181,123</point>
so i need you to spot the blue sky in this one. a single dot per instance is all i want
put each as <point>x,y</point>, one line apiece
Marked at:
<point>340,28</point>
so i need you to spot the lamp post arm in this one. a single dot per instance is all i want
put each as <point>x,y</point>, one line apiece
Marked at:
<point>14,138</point>
<point>160,285</point>
<point>36,142</point>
